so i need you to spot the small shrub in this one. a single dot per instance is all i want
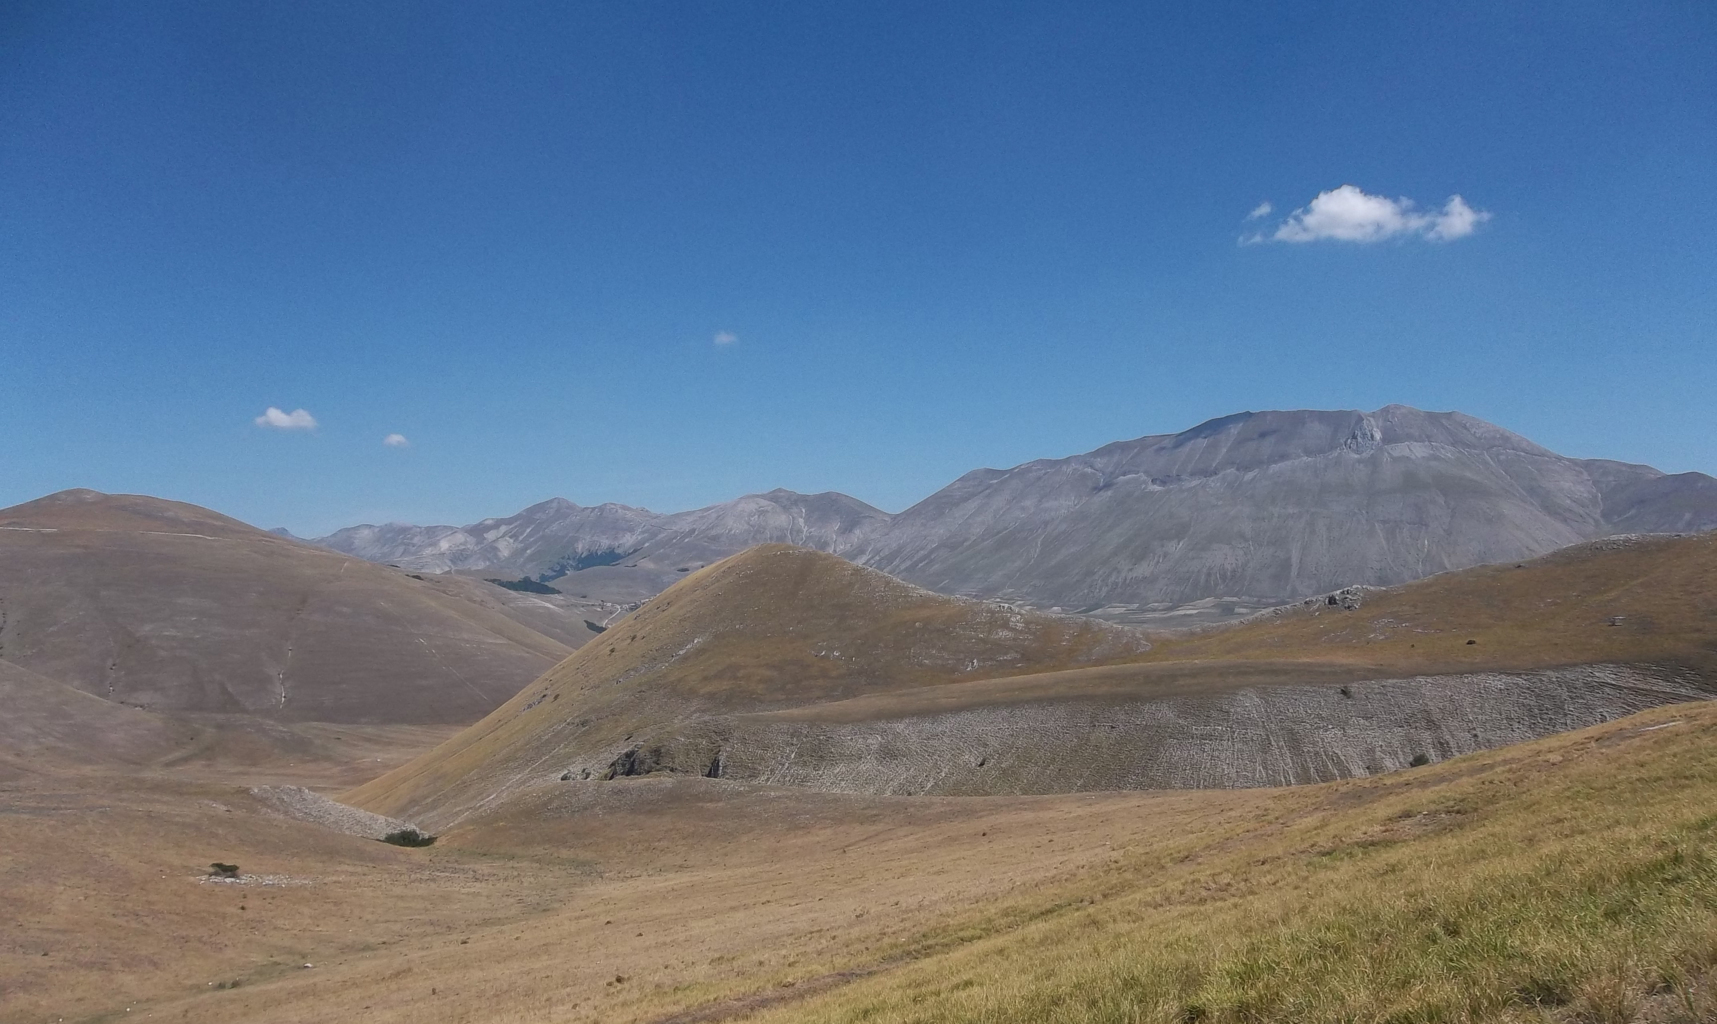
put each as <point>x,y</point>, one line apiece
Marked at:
<point>1419,761</point>
<point>219,870</point>
<point>408,837</point>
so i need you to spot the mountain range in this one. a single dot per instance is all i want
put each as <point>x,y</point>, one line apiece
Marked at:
<point>1249,510</point>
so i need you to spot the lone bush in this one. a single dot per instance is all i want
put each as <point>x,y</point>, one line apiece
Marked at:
<point>1419,761</point>
<point>219,870</point>
<point>408,837</point>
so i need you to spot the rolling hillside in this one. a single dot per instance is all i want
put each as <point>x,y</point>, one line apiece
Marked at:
<point>783,666</point>
<point>774,628</point>
<point>172,608</point>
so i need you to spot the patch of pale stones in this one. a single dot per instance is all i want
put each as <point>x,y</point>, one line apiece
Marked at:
<point>302,804</point>
<point>252,880</point>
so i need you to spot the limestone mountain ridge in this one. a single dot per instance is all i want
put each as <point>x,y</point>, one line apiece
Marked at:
<point>1243,511</point>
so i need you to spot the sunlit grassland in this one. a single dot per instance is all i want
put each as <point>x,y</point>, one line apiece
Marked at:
<point>1573,879</point>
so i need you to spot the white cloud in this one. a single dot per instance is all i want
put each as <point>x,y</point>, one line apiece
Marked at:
<point>725,337</point>
<point>1458,220</point>
<point>1348,214</point>
<point>297,419</point>
<point>396,441</point>
<point>1261,210</point>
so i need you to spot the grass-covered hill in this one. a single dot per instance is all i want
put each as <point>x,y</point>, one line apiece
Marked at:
<point>776,627</point>
<point>786,666</point>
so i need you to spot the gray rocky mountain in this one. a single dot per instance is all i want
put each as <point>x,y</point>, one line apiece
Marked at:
<point>1243,511</point>
<point>1273,506</point>
<point>554,538</point>
<point>546,538</point>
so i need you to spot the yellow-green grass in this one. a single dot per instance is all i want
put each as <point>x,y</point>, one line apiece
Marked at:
<point>1570,879</point>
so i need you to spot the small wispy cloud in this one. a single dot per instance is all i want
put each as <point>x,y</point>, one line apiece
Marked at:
<point>1349,214</point>
<point>726,338</point>
<point>1261,210</point>
<point>396,441</point>
<point>297,419</point>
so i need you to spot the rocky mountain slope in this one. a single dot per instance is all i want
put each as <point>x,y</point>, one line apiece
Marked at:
<point>783,666</point>
<point>1251,510</point>
<point>556,537</point>
<point>178,610</point>
<point>1270,507</point>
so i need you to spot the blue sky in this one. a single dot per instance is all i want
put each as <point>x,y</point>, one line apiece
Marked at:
<point>931,238</point>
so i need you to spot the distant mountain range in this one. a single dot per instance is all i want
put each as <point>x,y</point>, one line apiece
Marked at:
<point>1254,508</point>
<point>556,537</point>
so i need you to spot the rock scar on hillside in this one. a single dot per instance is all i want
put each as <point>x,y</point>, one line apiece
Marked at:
<point>301,804</point>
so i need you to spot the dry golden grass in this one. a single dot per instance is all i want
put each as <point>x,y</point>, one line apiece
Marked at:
<point>689,889</point>
<point>1554,610</point>
<point>1573,879</point>
<point>1579,870</point>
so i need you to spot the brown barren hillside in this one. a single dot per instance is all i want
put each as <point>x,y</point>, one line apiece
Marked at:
<point>772,628</point>
<point>46,724</point>
<point>785,667</point>
<point>176,609</point>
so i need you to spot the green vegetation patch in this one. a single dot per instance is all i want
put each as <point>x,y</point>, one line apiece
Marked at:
<point>408,837</point>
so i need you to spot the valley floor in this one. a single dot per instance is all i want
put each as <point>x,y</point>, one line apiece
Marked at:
<point>1571,878</point>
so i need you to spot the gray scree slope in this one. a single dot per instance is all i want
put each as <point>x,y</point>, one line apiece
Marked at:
<point>1262,507</point>
<point>1253,736</point>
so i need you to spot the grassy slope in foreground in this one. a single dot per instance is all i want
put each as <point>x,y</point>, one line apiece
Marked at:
<point>1576,869</point>
<point>1571,879</point>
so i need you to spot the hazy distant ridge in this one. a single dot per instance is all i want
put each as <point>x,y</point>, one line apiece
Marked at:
<point>557,536</point>
<point>1265,507</point>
